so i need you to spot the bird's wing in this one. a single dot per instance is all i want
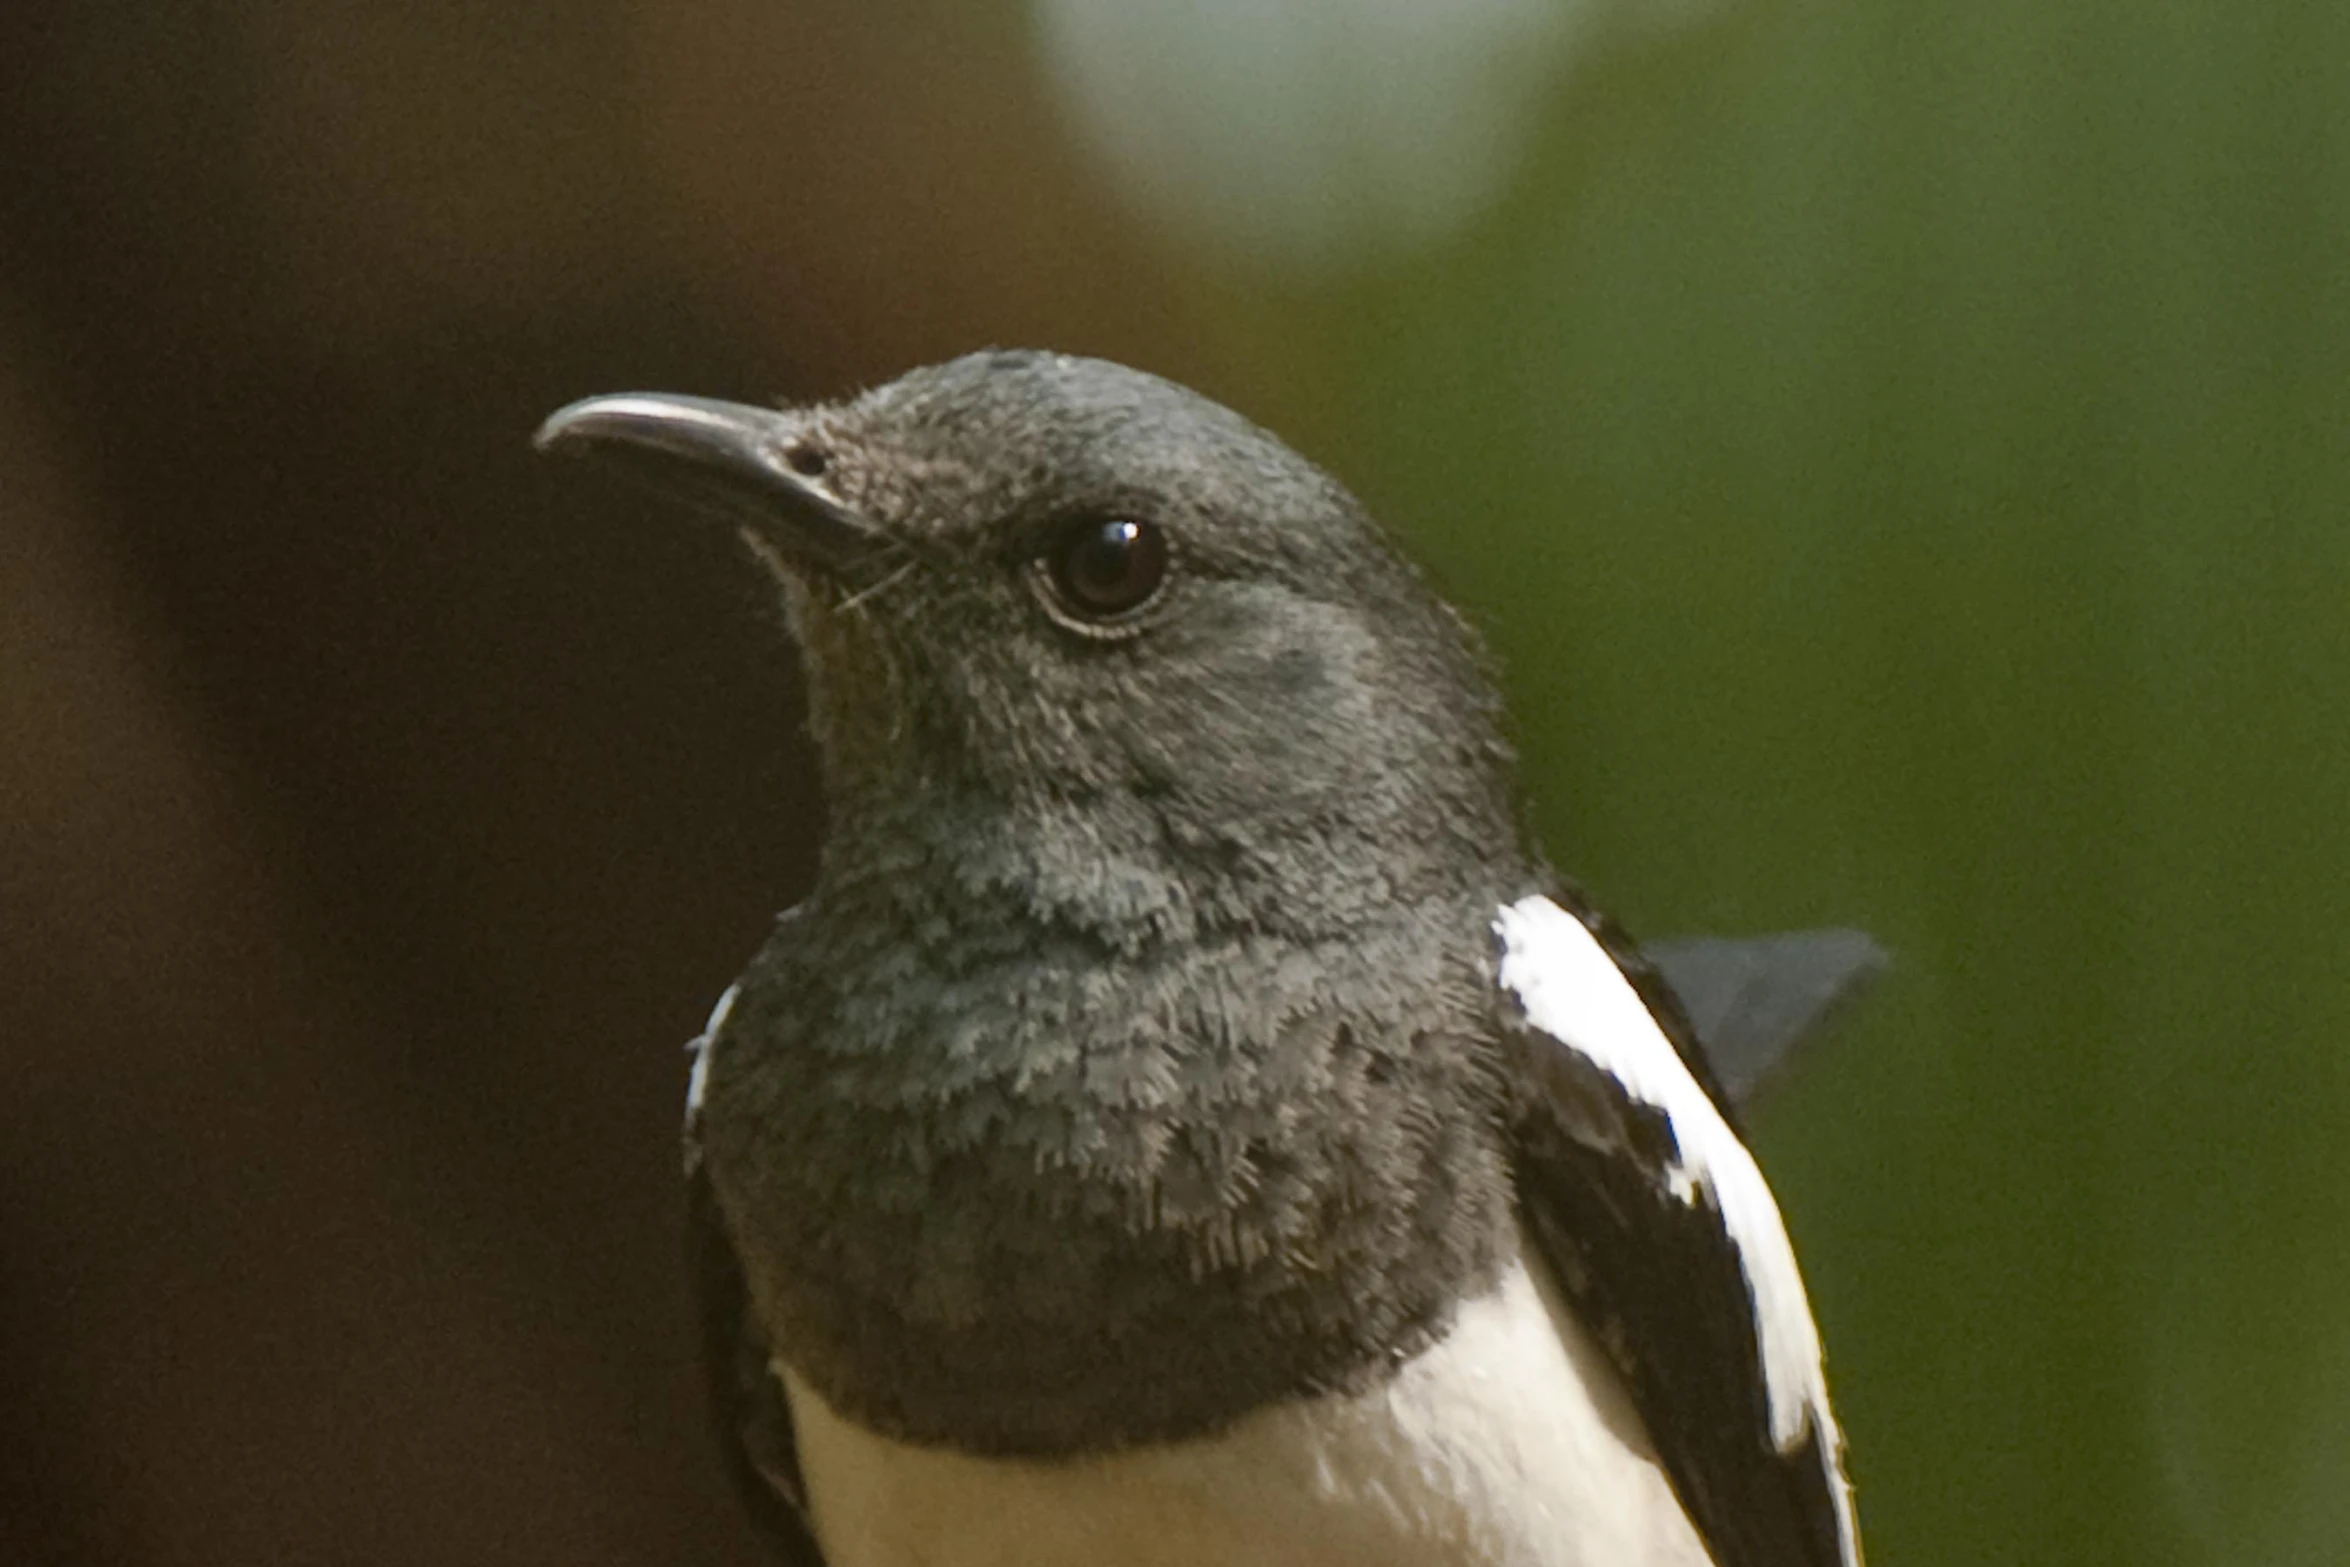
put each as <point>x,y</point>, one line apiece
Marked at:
<point>746,1402</point>
<point>1750,1001</point>
<point>1658,1226</point>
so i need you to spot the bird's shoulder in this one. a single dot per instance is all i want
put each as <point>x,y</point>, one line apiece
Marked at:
<point>752,1419</point>
<point>1649,1209</point>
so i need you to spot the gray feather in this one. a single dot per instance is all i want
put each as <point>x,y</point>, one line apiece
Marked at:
<point>1752,1000</point>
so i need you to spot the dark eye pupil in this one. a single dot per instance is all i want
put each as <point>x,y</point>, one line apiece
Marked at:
<point>1109,567</point>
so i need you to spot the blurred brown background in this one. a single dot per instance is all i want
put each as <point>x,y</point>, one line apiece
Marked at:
<point>1900,452</point>
<point>379,809</point>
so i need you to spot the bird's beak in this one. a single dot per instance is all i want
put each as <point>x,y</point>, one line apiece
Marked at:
<point>728,453</point>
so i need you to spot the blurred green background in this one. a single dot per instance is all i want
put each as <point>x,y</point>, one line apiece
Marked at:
<point>1899,452</point>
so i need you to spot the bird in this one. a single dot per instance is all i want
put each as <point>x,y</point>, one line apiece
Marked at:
<point>1188,1120</point>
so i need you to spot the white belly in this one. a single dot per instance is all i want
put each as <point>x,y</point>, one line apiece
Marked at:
<point>1509,1444</point>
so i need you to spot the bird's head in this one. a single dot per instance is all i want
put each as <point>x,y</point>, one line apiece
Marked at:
<point>1077,634</point>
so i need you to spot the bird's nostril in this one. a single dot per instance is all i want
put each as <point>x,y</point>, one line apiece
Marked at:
<point>809,462</point>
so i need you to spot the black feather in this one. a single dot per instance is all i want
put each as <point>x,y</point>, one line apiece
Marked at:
<point>746,1402</point>
<point>1659,1284</point>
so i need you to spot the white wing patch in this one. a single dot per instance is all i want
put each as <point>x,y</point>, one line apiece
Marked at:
<point>1572,990</point>
<point>697,1081</point>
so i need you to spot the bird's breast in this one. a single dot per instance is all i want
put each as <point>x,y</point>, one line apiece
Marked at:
<point>1035,1205</point>
<point>1507,1443</point>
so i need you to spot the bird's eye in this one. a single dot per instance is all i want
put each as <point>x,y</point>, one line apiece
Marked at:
<point>1107,567</point>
